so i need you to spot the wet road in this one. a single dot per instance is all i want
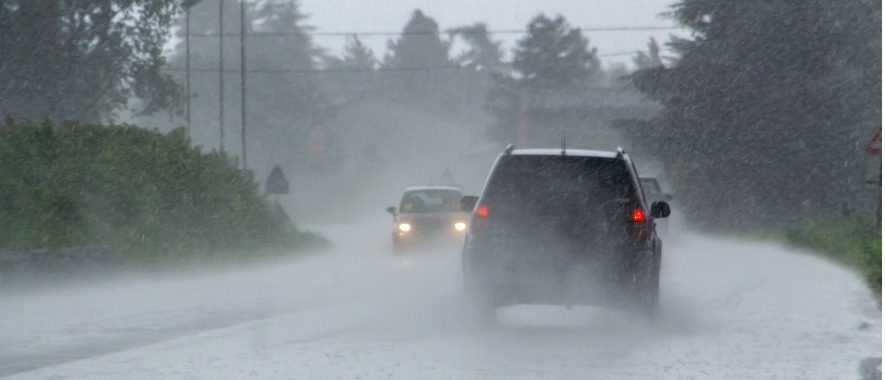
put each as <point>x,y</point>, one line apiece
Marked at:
<point>730,310</point>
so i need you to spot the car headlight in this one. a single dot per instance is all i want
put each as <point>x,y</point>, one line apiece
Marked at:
<point>405,227</point>
<point>460,226</point>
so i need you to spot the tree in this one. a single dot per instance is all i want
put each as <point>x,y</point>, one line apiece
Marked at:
<point>293,47</point>
<point>483,53</point>
<point>419,71</point>
<point>419,46</point>
<point>357,56</point>
<point>764,105</point>
<point>290,108</point>
<point>284,104</point>
<point>85,60</point>
<point>551,56</point>
<point>650,60</point>
<point>554,55</point>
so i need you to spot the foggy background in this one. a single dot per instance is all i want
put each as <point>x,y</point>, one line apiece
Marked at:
<point>354,112</point>
<point>755,116</point>
<point>353,125</point>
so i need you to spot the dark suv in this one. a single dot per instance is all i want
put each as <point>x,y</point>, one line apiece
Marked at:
<point>566,227</point>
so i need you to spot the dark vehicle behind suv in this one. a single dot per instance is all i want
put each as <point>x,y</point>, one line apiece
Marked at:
<point>653,190</point>
<point>563,227</point>
<point>653,193</point>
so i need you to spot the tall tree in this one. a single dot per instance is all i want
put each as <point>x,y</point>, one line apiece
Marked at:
<point>418,67</point>
<point>293,47</point>
<point>357,56</point>
<point>284,105</point>
<point>419,46</point>
<point>289,108</point>
<point>551,56</point>
<point>765,104</point>
<point>554,55</point>
<point>483,53</point>
<point>85,60</point>
<point>644,60</point>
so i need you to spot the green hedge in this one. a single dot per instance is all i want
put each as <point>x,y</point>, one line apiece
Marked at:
<point>151,197</point>
<point>856,243</point>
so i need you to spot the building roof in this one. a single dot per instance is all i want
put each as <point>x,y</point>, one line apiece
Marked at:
<point>587,98</point>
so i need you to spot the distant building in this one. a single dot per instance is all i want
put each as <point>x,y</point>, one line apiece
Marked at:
<point>582,115</point>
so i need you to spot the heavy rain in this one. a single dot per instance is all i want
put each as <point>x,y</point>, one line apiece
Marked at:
<point>336,189</point>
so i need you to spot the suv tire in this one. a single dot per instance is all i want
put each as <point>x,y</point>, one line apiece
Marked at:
<point>481,308</point>
<point>651,297</point>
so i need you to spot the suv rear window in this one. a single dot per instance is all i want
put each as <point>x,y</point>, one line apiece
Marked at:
<point>525,184</point>
<point>540,175</point>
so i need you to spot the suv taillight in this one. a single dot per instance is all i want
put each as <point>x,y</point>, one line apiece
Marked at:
<point>641,224</point>
<point>480,220</point>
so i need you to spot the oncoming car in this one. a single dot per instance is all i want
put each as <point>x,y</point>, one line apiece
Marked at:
<point>562,227</point>
<point>427,216</point>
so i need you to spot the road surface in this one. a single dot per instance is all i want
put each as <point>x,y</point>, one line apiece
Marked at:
<point>732,309</point>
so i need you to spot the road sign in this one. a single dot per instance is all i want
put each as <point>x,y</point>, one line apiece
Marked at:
<point>875,144</point>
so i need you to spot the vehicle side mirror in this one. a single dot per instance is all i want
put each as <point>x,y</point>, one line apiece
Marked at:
<point>660,210</point>
<point>392,210</point>
<point>667,197</point>
<point>468,202</point>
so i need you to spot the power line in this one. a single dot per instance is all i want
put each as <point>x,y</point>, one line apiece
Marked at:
<point>337,71</point>
<point>389,34</point>
<point>620,53</point>
<point>328,71</point>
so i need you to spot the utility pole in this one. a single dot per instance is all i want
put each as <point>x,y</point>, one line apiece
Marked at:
<point>243,79</point>
<point>187,65</point>
<point>221,74</point>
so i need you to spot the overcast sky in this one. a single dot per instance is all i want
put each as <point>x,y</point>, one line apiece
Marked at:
<point>392,15</point>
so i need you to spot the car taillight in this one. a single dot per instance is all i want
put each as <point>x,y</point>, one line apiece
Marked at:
<point>641,225</point>
<point>480,219</point>
<point>638,215</point>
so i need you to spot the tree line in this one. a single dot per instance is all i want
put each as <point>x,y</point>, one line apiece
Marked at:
<point>763,106</point>
<point>767,109</point>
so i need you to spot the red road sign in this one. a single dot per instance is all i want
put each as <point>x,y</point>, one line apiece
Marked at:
<point>875,144</point>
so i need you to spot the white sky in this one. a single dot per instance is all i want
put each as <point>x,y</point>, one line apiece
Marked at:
<point>392,15</point>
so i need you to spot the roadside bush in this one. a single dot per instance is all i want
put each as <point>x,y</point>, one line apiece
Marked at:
<point>856,243</point>
<point>151,197</point>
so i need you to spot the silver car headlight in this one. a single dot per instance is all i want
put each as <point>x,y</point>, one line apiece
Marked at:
<point>404,227</point>
<point>460,226</point>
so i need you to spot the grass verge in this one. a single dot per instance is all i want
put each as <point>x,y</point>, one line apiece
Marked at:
<point>855,243</point>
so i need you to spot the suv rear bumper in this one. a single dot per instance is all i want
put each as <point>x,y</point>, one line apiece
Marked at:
<point>549,293</point>
<point>587,278</point>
